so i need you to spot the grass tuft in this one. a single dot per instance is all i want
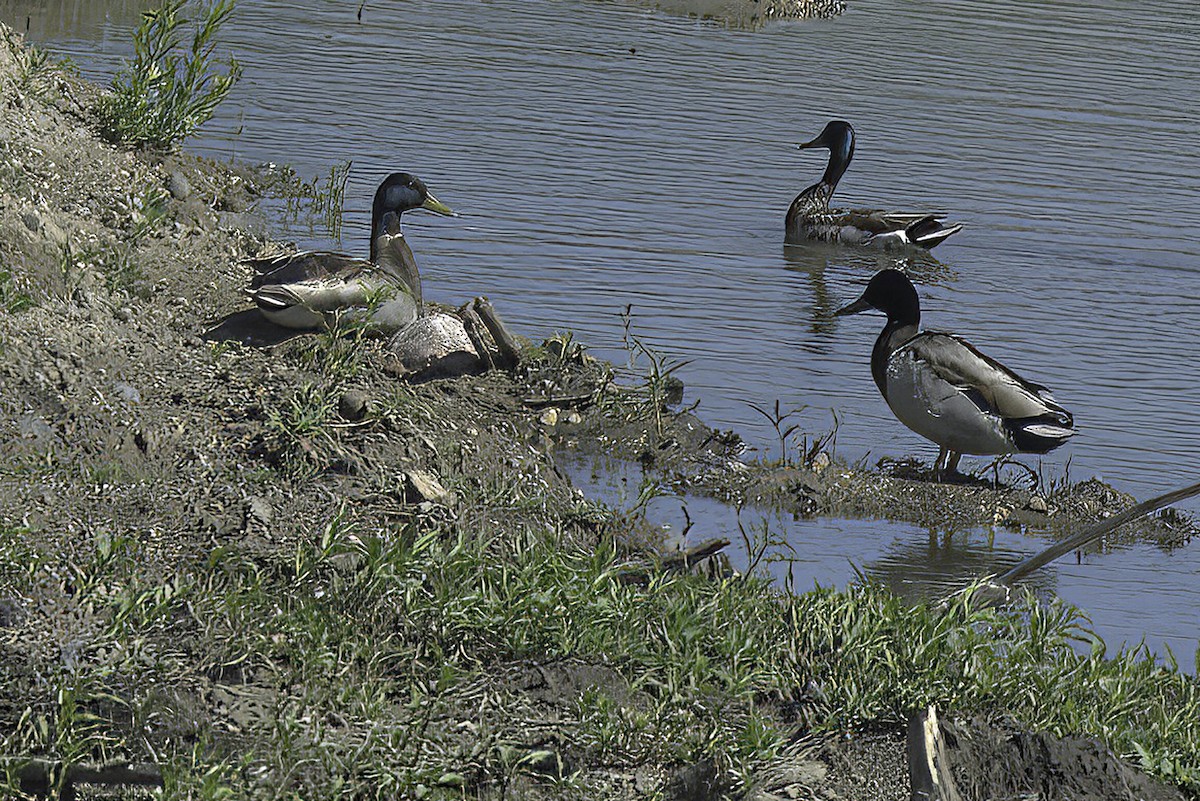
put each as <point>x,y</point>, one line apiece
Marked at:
<point>168,92</point>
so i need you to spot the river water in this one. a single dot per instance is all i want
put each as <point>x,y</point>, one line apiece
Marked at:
<point>603,154</point>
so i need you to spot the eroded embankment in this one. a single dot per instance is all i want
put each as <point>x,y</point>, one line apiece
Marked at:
<point>749,13</point>
<point>282,571</point>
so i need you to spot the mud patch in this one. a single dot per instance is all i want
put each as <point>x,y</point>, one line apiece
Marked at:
<point>1004,761</point>
<point>748,13</point>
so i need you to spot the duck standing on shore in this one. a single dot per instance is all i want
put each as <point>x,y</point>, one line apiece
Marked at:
<point>310,289</point>
<point>948,392</point>
<point>810,217</point>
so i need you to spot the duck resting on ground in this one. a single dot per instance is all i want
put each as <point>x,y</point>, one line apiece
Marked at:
<point>948,392</point>
<point>311,289</point>
<point>809,217</point>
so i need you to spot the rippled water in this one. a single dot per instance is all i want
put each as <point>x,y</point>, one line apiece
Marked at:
<point>604,155</point>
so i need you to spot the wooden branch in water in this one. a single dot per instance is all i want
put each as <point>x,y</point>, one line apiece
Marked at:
<point>674,561</point>
<point>685,558</point>
<point>1097,531</point>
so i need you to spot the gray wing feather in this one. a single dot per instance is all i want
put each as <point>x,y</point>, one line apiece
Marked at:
<point>958,363</point>
<point>312,265</point>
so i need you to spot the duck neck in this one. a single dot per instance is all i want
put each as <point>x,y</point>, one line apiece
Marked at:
<point>893,335</point>
<point>815,199</point>
<point>839,159</point>
<point>390,252</point>
<point>384,224</point>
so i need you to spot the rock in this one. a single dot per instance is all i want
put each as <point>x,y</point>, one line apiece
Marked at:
<point>435,346</point>
<point>32,426</point>
<point>1037,504</point>
<point>258,511</point>
<point>696,782</point>
<point>352,406</point>
<point>546,762</point>
<point>11,613</point>
<point>127,392</point>
<point>55,235</point>
<point>421,486</point>
<point>178,186</point>
<point>446,344</point>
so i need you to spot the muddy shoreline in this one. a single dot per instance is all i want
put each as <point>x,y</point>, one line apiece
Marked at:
<point>747,13</point>
<point>127,435</point>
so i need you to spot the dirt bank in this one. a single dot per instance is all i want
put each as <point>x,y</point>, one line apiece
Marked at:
<point>282,570</point>
<point>748,13</point>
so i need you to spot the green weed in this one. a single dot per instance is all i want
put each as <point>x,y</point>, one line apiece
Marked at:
<point>34,66</point>
<point>785,434</point>
<point>167,92</point>
<point>330,198</point>
<point>372,659</point>
<point>659,382</point>
<point>12,299</point>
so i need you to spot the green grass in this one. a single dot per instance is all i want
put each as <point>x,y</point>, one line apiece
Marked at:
<point>12,299</point>
<point>366,654</point>
<point>168,91</point>
<point>34,67</point>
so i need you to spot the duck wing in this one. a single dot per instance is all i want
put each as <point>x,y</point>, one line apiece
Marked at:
<point>947,391</point>
<point>309,265</point>
<point>923,229</point>
<point>998,389</point>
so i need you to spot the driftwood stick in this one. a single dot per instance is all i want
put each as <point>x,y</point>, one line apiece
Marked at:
<point>1098,530</point>
<point>578,399</point>
<point>475,328</point>
<point>685,558</point>
<point>929,775</point>
<point>673,562</point>
<point>505,343</point>
<point>38,776</point>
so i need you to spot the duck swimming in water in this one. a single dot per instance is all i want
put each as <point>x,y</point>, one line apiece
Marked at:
<point>309,290</point>
<point>948,392</point>
<point>810,217</point>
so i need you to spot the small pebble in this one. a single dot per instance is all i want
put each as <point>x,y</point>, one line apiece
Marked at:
<point>178,186</point>
<point>352,405</point>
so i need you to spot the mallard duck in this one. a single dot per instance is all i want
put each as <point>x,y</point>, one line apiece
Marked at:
<point>809,216</point>
<point>308,290</point>
<point>948,392</point>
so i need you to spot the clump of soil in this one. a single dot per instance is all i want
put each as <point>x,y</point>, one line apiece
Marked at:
<point>1000,760</point>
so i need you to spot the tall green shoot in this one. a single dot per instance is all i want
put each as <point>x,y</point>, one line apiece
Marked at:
<point>167,92</point>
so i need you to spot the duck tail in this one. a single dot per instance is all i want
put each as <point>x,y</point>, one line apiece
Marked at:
<point>928,232</point>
